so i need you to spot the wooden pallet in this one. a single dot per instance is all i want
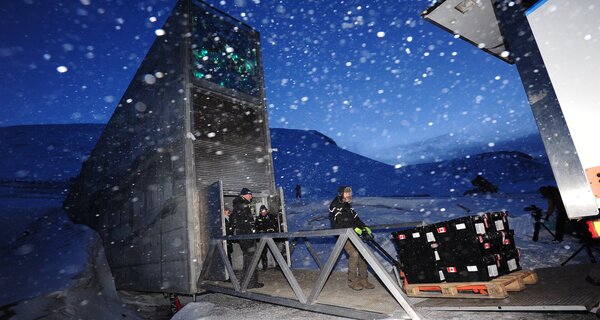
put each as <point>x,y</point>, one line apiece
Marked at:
<point>494,289</point>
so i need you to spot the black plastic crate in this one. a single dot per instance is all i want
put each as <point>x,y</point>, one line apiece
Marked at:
<point>496,242</point>
<point>459,228</point>
<point>482,223</point>
<point>510,261</point>
<point>412,247</point>
<point>485,269</point>
<point>499,221</point>
<point>460,250</point>
<point>424,274</point>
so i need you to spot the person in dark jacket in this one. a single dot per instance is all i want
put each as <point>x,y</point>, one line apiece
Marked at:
<point>228,231</point>
<point>342,215</point>
<point>242,221</point>
<point>555,203</point>
<point>265,223</point>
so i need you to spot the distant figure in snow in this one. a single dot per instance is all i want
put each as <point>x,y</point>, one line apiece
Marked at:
<point>555,203</point>
<point>298,191</point>
<point>342,215</point>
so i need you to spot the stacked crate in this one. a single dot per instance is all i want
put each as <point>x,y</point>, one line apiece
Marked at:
<point>467,249</point>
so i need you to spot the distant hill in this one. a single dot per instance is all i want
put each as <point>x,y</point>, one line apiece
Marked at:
<point>314,161</point>
<point>308,158</point>
<point>452,146</point>
<point>45,152</point>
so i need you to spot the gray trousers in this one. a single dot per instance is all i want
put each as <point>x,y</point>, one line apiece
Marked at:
<point>357,266</point>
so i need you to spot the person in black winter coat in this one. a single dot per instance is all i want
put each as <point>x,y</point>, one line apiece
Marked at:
<point>555,203</point>
<point>242,222</point>
<point>342,215</point>
<point>228,231</point>
<point>265,223</point>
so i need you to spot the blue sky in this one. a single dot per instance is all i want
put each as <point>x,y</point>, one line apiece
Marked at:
<point>370,74</point>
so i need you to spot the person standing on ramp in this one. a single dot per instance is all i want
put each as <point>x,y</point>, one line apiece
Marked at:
<point>242,221</point>
<point>342,215</point>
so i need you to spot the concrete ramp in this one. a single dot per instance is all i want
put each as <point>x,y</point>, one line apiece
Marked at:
<point>336,295</point>
<point>558,289</point>
<point>336,291</point>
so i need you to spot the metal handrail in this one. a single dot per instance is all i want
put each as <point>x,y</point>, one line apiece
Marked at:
<point>309,302</point>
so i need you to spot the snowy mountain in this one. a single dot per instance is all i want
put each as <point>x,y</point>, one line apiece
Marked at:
<point>452,146</point>
<point>314,161</point>
<point>45,152</point>
<point>42,153</point>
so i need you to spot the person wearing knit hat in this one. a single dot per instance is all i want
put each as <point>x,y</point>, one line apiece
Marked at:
<point>242,221</point>
<point>265,223</point>
<point>245,191</point>
<point>342,215</point>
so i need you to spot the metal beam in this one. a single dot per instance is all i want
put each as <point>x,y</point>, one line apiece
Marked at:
<point>313,253</point>
<point>297,234</point>
<point>286,270</point>
<point>303,303</point>
<point>232,277</point>
<point>320,308</point>
<point>383,275</point>
<point>326,271</point>
<point>253,264</point>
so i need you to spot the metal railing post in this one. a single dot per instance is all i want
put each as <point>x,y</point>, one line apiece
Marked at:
<point>383,275</point>
<point>326,271</point>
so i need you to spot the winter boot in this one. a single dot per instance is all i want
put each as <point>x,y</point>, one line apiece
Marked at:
<point>355,285</point>
<point>366,284</point>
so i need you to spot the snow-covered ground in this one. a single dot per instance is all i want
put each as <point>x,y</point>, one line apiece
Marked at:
<point>56,268</point>
<point>51,268</point>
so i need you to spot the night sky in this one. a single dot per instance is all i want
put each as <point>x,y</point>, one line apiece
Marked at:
<point>370,74</point>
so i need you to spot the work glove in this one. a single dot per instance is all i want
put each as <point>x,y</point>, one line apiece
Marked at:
<point>367,234</point>
<point>358,231</point>
<point>367,230</point>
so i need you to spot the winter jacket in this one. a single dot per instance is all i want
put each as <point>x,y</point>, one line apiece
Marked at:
<point>228,227</point>
<point>342,215</point>
<point>267,223</point>
<point>242,219</point>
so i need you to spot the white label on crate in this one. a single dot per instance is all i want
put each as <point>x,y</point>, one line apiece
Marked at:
<point>436,255</point>
<point>441,273</point>
<point>430,237</point>
<point>492,270</point>
<point>499,225</point>
<point>512,264</point>
<point>461,226</point>
<point>472,268</point>
<point>416,235</point>
<point>480,228</point>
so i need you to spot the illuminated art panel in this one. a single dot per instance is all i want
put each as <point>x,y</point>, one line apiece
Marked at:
<point>225,53</point>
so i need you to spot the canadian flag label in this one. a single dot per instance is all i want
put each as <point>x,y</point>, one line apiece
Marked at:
<point>486,245</point>
<point>451,269</point>
<point>441,229</point>
<point>401,237</point>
